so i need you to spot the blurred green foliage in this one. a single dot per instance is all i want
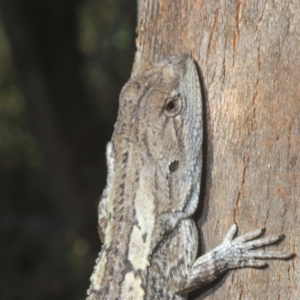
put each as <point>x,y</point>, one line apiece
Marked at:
<point>107,39</point>
<point>17,146</point>
<point>39,260</point>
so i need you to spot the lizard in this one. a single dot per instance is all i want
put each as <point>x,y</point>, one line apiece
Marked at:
<point>154,160</point>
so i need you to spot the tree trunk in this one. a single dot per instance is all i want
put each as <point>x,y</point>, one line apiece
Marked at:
<point>248,55</point>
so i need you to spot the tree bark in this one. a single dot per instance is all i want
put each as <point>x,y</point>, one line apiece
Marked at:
<point>248,56</point>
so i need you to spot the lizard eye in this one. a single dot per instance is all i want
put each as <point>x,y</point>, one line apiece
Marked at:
<point>173,106</point>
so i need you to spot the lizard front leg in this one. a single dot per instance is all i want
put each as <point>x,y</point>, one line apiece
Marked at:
<point>186,274</point>
<point>231,254</point>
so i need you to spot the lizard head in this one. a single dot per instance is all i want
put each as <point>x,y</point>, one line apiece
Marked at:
<point>161,115</point>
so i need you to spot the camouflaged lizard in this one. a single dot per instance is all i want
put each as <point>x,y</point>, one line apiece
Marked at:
<point>154,162</point>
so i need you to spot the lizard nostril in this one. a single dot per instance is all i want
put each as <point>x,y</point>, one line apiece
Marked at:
<point>174,166</point>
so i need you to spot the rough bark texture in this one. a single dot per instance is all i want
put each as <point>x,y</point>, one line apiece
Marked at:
<point>248,56</point>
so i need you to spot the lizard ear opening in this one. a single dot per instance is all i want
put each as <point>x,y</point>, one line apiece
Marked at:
<point>174,166</point>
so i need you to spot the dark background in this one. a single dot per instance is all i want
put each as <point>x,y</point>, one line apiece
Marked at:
<point>62,65</point>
